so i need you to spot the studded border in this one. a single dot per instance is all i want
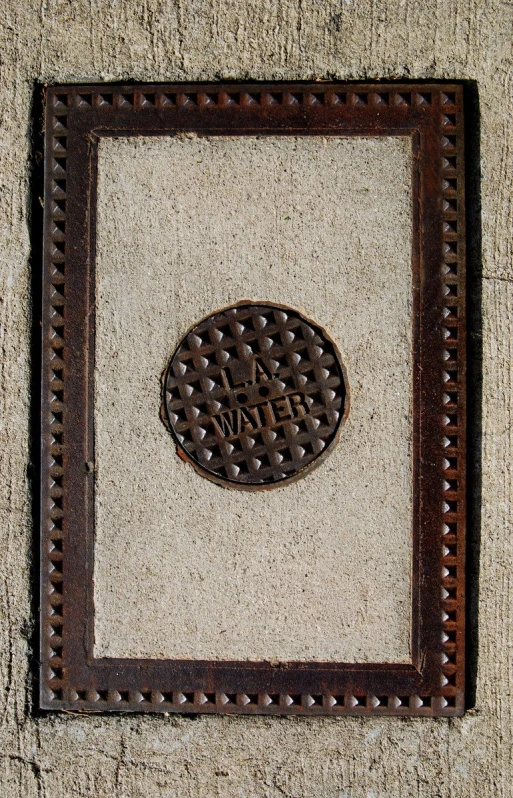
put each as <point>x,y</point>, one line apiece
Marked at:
<point>254,703</point>
<point>453,399</point>
<point>53,406</point>
<point>161,98</point>
<point>56,690</point>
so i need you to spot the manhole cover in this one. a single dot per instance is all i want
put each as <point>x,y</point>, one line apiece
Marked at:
<point>254,395</point>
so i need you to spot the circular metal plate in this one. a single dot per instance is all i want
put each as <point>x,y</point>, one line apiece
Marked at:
<point>255,395</point>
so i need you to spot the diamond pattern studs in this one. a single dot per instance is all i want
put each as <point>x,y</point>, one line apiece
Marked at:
<point>452,409</point>
<point>254,395</point>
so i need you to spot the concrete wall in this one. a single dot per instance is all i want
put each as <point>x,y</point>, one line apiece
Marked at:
<point>66,755</point>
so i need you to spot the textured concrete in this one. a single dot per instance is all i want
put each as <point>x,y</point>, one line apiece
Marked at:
<point>63,756</point>
<point>315,570</point>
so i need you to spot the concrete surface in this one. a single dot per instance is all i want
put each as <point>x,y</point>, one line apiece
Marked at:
<point>64,755</point>
<point>315,570</point>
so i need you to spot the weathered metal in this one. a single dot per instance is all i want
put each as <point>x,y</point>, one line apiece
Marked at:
<point>78,116</point>
<point>255,395</point>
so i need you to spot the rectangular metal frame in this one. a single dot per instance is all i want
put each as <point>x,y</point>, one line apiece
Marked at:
<point>70,677</point>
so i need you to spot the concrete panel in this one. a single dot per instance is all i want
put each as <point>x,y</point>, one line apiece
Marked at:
<point>315,570</point>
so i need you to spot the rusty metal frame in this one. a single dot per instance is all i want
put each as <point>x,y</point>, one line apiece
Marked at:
<point>71,678</point>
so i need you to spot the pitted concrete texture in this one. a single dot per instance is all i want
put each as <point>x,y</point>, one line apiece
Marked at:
<point>64,755</point>
<point>315,570</point>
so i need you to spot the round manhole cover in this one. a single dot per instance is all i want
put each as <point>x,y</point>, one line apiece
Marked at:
<point>255,395</point>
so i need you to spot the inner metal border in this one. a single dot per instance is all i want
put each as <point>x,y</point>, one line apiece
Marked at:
<point>77,116</point>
